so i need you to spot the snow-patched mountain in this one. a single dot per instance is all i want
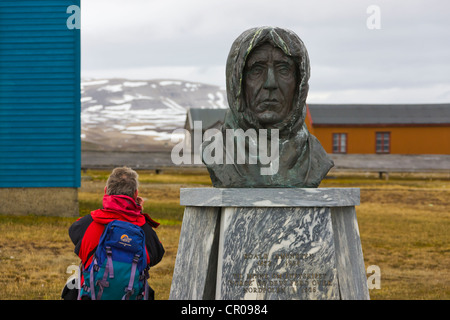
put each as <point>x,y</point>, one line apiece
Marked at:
<point>138,115</point>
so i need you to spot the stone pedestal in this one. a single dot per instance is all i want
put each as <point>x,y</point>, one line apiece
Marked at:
<point>269,244</point>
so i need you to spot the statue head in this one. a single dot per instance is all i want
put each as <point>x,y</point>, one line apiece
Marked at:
<point>267,80</point>
<point>269,84</point>
<point>267,75</point>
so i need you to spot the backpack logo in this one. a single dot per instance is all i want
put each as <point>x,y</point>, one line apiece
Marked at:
<point>125,240</point>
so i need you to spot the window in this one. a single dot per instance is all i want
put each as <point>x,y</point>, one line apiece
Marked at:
<point>339,143</point>
<point>383,142</point>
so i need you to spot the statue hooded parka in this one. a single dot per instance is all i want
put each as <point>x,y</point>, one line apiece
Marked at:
<point>302,161</point>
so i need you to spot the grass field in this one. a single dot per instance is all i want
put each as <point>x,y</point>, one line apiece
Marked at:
<point>404,225</point>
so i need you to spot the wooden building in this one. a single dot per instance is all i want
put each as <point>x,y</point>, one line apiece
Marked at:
<point>40,145</point>
<point>364,128</point>
<point>381,129</point>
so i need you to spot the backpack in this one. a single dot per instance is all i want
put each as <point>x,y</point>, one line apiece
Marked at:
<point>119,265</point>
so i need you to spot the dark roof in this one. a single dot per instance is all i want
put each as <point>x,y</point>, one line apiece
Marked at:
<point>209,117</point>
<point>387,114</point>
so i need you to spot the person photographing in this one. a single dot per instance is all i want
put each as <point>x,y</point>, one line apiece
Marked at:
<point>117,244</point>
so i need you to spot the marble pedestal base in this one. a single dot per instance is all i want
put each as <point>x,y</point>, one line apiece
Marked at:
<point>269,244</point>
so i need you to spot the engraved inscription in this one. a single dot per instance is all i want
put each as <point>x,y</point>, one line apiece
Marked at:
<point>280,281</point>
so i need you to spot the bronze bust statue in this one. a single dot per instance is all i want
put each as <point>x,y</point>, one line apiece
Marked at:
<point>267,75</point>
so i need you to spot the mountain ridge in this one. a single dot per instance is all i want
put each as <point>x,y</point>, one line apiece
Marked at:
<point>136,115</point>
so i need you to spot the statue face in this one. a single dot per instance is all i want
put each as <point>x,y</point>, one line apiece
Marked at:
<point>270,83</point>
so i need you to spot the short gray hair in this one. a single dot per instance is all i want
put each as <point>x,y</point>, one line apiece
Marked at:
<point>122,181</point>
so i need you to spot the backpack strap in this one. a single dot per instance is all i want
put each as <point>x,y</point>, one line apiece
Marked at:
<point>91,279</point>
<point>79,280</point>
<point>147,287</point>
<point>109,271</point>
<point>129,289</point>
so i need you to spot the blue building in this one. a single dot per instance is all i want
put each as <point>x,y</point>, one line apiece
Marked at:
<point>40,146</point>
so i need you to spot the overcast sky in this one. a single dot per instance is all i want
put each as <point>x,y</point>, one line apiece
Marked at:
<point>406,60</point>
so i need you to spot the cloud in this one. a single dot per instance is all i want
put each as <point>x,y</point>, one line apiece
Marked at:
<point>208,74</point>
<point>191,38</point>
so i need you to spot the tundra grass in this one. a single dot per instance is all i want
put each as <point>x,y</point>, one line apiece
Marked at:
<point>403,223</point>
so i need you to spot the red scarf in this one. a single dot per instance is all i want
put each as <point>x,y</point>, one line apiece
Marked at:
<point>121,207</point>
